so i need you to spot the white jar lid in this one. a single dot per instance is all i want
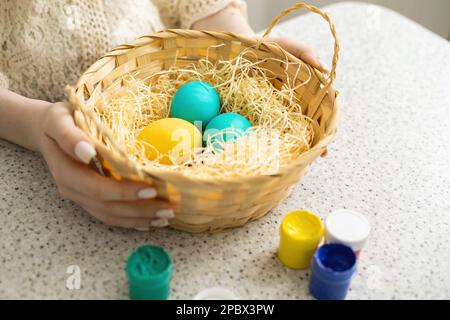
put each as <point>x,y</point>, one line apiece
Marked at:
<point>347,227</point>
<point>216,294</point>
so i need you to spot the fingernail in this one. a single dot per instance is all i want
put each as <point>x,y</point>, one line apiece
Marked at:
<point>324,68</point>
<point>143,229</point>
<point>165,214</point>
<point>85,152</point>
<point>148,193</point>
<point>160,223</point>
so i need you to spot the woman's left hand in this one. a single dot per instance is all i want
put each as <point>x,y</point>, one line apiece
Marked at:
<point>302,51</point>
<point>232,19</point>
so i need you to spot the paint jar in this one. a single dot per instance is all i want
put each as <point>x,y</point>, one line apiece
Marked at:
<point>149,271</point>
<point>300,235</point>
<point>333,267</point>
<point>347,227</point>
<point>216,294</point>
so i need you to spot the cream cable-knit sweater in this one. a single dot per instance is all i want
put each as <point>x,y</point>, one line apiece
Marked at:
<point>46,44</point>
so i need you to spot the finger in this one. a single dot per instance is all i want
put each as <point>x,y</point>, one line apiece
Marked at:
<point>302,51</point>
<point>142,224</point>
<point>312,57</point>
<point>149,209</point>
<point>61,127</point>
<point>94,186</point>
<point>73,175</point>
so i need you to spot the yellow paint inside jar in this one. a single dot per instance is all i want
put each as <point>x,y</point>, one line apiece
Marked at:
<point>302,225</point>
<point>300,234</point>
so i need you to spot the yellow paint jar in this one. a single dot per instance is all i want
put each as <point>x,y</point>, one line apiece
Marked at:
<point>300,234</point>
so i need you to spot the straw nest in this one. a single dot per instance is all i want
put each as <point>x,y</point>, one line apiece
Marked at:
<point>280,132</point>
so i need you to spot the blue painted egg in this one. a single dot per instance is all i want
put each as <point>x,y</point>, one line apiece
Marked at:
<point>216,128</point>
<point>196,101</point>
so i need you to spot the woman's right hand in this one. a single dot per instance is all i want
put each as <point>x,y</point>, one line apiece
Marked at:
<point>67,151</point>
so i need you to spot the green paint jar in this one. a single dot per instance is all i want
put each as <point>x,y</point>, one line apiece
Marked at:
<point>149,270</point>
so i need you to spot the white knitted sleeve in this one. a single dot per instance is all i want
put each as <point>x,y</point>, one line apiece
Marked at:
<point>4,83</point>
<point>184,13</point>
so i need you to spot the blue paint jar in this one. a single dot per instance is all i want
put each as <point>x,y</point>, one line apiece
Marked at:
<point>333,267</point>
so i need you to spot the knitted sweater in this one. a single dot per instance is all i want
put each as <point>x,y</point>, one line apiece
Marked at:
<point>46,44</point>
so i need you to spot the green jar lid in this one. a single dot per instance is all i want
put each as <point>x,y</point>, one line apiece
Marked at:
<point>149,270</point>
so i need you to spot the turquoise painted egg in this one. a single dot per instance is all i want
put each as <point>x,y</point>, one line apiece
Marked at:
<point>216,130</point>
<point>196,101</point>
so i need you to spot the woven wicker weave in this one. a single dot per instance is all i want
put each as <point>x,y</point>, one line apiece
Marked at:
<point>217,204</point>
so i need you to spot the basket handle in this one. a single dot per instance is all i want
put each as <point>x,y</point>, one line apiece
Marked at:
<point>325,16</point>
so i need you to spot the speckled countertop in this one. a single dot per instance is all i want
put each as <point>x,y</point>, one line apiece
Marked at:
<point>390,161</point>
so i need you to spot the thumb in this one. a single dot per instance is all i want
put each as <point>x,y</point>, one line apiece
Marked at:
<point>60,126</point>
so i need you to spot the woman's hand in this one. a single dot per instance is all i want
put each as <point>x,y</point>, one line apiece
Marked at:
<point>50,129</point>
<point>67,150</point>
<point>231,19</point>
<point>302,51</point>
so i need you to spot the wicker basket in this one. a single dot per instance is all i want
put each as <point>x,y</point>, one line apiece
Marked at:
<point>217,204</point>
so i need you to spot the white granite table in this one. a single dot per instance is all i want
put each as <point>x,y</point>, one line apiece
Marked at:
<point>391,161</point>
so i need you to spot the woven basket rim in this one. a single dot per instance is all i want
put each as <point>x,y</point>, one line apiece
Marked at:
<point>269,46</point>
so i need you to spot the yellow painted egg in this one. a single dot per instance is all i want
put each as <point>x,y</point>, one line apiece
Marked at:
<point>170,138</point>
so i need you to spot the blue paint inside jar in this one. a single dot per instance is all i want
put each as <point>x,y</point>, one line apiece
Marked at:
<point>337,257</point>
